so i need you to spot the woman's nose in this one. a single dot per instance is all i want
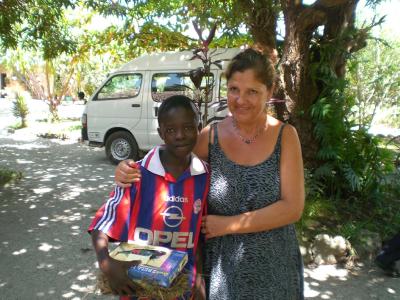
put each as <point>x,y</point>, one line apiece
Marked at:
<point>240,98</point>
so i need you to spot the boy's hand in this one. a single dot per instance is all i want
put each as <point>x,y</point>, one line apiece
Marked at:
<point>116,273</point>
<point>127,172</point>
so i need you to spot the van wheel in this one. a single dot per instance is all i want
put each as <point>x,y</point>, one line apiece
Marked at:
<point>121,145</point>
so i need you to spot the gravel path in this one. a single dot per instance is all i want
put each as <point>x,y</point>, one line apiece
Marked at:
<point>46,253</point>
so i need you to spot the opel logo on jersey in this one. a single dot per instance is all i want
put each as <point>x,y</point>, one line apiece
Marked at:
<point>173,216</point>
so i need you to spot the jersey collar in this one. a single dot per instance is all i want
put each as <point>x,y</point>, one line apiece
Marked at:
<point>153,163</point>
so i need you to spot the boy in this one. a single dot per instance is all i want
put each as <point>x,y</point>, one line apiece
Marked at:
<point>165,207</point>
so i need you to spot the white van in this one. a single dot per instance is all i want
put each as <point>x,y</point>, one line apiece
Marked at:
<point>122,113</point>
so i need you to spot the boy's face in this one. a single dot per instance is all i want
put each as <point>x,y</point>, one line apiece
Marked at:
<point>178,130</point>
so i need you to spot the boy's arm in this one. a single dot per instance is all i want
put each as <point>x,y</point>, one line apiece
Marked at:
<point>114,270</point>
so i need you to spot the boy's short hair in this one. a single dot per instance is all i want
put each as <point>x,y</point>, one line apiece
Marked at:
<point>174,102</point>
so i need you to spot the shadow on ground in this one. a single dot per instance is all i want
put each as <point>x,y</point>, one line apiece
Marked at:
<point>46,253</point>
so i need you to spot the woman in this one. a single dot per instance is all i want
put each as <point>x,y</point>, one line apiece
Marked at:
<point>256,192</point>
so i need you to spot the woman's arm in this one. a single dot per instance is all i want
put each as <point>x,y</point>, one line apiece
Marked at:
<point>285,211</point>
<point>126,173</point>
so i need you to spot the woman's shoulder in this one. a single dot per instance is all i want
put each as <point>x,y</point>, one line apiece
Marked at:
<point>289,136</point>
<point>274,122</point>
<point>279,125</point>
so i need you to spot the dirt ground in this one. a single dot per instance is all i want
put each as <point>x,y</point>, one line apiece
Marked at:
<point>45,250</point>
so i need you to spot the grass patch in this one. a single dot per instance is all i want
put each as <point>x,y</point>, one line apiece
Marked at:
<point>16,126</point>
<point>74,127</point>
<point>61,120</point>
<point>61,130</point>
<point>70,119</point>
<point>8,176</point>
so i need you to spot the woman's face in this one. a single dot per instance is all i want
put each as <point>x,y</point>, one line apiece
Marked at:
<point>247,96</point>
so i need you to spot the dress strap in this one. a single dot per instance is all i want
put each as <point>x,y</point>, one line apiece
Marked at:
<point>213,132</point>
<point>278,141</point>
<point>215,129</point>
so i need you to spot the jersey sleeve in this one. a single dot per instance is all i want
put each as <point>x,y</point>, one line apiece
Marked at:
<point>113,217</point>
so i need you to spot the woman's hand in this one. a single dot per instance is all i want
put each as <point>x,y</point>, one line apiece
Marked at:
<point>127,172</point>
<point>116,273</point>
<point>213,225</point>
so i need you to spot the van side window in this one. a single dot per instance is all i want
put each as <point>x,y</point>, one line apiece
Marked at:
<point>121,86</point>
<point>164,85</point>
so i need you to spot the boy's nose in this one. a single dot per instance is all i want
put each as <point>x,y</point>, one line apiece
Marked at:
<point>179,134</point>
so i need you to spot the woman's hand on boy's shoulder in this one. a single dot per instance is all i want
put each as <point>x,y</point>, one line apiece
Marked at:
<point>127,172</point>
<point>116,273</point>
<point>201,148</point>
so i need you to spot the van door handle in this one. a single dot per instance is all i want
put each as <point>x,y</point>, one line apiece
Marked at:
<point>135,105</point>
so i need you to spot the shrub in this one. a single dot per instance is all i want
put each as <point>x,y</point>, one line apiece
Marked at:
<point>8,176</point>
<point>20,109</point>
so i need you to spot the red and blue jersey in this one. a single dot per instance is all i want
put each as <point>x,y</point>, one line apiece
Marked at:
<point>158,210</point>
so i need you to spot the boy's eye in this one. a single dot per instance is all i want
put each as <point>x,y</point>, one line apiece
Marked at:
<point>189,128</point>
<point>170,130</point>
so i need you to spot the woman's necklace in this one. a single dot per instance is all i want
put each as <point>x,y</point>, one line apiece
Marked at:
<point>248,141</point>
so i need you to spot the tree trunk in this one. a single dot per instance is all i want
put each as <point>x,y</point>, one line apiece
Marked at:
<point>296,84</point>
<point>301,24</point>
<point>262,21</point>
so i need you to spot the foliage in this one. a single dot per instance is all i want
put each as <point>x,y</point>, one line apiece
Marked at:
<point>8,176</point>
<point>20,109</point>
<point>374,84</point>
<point>37,24</point>
<point>203,53</point>
<point>53,79</point>
<point>354,168</point>
<point>348,218</point>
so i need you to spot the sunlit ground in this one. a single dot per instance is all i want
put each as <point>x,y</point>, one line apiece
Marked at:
<point>363,281</point>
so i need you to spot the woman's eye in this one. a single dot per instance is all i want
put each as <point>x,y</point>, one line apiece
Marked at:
<point>232,89</point>
<point>253,92</point>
